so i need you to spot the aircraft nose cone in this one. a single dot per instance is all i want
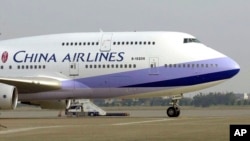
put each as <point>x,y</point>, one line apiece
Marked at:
<point>233,67</point>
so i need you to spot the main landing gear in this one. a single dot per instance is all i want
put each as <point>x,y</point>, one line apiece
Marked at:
<point>174,110</point>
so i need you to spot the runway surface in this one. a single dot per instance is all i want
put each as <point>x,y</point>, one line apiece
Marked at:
<point>142,124</point>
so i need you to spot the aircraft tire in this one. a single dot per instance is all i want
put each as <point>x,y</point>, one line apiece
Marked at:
<point>173,111</point>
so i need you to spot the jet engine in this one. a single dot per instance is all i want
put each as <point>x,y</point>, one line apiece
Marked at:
<point>8,97</point>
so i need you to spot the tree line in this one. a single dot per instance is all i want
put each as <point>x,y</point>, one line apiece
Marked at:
<point>199,100</point>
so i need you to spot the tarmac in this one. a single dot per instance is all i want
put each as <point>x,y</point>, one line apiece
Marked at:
<point>144,123</point>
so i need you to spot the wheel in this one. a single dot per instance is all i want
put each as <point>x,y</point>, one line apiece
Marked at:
<point>91,114</point>
<point>171,112</point>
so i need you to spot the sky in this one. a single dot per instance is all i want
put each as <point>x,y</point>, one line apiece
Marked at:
<point>223,25</point>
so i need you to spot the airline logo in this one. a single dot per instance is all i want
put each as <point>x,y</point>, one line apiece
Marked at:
<point>4,56</point>
<point>23,56</point>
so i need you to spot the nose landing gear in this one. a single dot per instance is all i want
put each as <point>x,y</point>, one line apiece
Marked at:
<point>174,110</point>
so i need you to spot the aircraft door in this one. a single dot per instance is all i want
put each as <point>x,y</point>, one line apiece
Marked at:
<point>73,69</point>
<point>153,64</point>
<point>106,42</point>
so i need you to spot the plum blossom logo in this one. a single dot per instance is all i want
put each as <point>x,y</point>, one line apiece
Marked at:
<point>4,56</point>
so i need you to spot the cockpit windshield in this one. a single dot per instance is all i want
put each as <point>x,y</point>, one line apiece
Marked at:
<point>191,40</point>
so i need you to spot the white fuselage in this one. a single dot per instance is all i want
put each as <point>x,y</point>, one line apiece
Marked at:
<point>119,64</point>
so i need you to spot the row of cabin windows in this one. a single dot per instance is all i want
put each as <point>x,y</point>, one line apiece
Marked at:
<point>114,43</point>
<point>134,43</point>
<point>27,67</point>
<point>80,43</point>
<point>31,67</point>
<point>191,65</point>
<point>111,66</point>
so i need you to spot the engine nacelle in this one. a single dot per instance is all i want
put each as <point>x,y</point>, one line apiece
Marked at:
<point>51,104</point>
<point>8,97</point>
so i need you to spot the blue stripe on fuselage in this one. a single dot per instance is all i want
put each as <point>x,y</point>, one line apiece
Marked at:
<point>192,80</point>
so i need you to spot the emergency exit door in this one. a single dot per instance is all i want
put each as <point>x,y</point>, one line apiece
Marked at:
<point>73,69</point>
<point>153,64</point>
<point>106,42</point>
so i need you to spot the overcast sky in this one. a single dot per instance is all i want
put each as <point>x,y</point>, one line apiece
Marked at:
<point>223,25</point>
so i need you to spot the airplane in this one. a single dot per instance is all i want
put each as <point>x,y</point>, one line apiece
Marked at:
<point>51,70</point>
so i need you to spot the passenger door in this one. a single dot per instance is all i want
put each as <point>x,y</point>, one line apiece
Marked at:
<point>106,42</point>
<point>153,64</point>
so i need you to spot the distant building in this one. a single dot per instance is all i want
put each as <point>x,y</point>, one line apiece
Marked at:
<point>245,97</point>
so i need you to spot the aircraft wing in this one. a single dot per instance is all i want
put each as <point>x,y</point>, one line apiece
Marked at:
<point>32,84</point>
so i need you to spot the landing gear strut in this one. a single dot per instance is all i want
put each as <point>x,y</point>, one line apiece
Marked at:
<point>174,110</point>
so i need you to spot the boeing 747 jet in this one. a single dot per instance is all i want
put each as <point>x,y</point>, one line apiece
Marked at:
<point>51,70</point>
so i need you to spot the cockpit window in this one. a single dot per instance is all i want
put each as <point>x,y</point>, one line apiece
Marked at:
<point>191,40</point>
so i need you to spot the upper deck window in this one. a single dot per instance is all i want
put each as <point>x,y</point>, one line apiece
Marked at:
<point>191,40</point>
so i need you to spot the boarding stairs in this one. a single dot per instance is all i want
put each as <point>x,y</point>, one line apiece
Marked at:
<point>88,106</point>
